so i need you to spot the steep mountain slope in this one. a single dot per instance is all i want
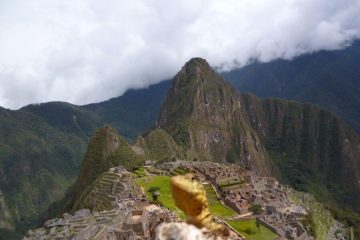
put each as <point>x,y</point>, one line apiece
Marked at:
<point>203,114</point>
<point>104,143</point>
<point>327,78</point>
<point>308,147</point>
<point>37,164</point>
<point>311,148</point>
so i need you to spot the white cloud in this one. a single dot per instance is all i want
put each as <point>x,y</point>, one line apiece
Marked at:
<point>89,50</point>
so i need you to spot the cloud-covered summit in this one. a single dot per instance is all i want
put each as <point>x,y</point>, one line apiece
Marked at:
<point>89,50</point>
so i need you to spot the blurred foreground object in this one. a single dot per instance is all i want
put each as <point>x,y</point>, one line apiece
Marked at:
<point>190,196</point>
<point>179,231</point>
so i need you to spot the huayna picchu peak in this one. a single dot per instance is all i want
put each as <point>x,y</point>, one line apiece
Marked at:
<point>203,113</point>
<point>303,145</point>
<point>205,127</point>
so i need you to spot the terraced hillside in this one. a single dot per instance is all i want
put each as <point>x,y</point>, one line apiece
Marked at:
<point>104,193</point>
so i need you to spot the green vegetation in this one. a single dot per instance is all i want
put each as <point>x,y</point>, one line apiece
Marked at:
<point>310,225</point>
<point>159,145</point>
<point>106,149</point>
<point>99,191</point>
<point>319,220</point>
<point>256,209</point>
<point>126,157</point>
<point>155,193</point>
<point>38,162</point>
<point>180,171</point>
<point>139,172</point>
<point>7,234</point>
<point>215,206</point>
<point>249,230</point>
<point>348,217</point>
<point>153,189</point>
<point>162,183</point>
<point>41,145</point>
<point>134,112</point>
<point>309,148</point>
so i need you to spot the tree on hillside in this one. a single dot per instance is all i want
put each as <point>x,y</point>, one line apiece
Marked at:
<point>256,210</point>
<point>155,193</point>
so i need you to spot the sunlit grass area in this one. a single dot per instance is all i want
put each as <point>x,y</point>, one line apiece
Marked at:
<point>163,182</point>
<point>249,230</point>
<point>216,207</point>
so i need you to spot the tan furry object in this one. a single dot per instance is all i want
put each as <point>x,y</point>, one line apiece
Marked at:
<point>190,196</point>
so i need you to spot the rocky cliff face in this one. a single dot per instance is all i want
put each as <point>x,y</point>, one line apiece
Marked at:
<point>309,146</point>
<point>203,114</point>
<point>306,146</point>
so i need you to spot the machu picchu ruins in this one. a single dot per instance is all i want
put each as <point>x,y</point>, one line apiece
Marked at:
<point>118,207</point>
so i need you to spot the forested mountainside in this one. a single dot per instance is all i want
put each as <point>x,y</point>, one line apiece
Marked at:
<point>38,162</point>
<point>41,146</point>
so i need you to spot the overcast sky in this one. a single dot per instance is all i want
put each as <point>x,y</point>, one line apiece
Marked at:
<point>84,51</point>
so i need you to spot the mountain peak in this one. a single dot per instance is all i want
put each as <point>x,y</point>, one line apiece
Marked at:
<point>197,62</point>
<point>202,112</point>
<point>195,69</point>
<point>193,88</point>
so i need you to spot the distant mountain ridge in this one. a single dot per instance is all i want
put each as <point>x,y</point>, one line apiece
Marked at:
<point>330,79</point>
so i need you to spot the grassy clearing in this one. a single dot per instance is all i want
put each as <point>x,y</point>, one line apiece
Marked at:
<point>216,207</point>
<point>163,182</point>
<point>249,230</point>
